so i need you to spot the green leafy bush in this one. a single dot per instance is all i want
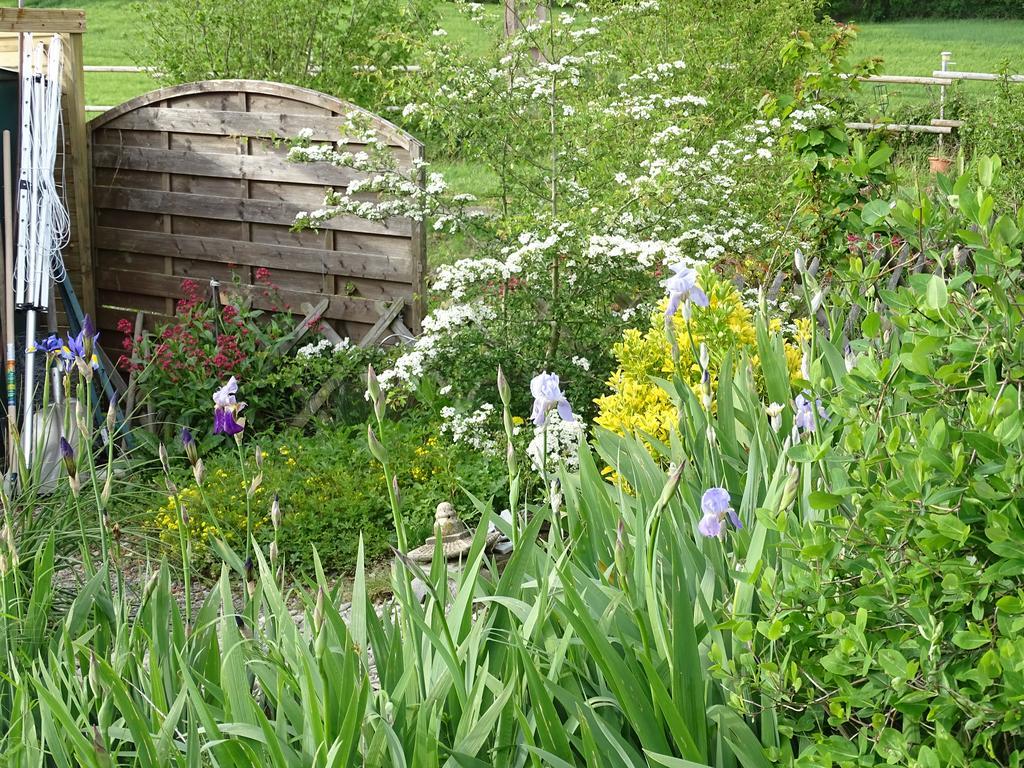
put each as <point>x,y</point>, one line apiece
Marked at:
<point>347,49</point>
<point>995,126</point>
<point>894,622</point>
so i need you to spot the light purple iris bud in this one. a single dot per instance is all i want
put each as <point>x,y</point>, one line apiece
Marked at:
<point>225,408</point>
<point>710,526</point>
<point>805,413</point>
<point>225,396</point>
<point>715,501</point>
<point>682,288</point>
<point>547,394</point>
<point>716,507</point>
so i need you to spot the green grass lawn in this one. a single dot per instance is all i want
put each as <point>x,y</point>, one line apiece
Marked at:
<point>914,48</point>
<point>113,36</point>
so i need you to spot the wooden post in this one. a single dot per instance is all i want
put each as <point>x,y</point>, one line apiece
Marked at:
<point>81,168</point>
<point>512,22</point>
<point>418,306</point>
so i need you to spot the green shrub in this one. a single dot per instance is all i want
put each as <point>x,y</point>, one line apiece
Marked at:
<point>894,629</point>
<point>995,126</point>
<point>331,492</point>
<point>184,361</point>
<point>346,49</point>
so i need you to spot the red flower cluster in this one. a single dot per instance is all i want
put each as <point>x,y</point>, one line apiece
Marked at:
<point>190,296</point>
<point>196,345</point>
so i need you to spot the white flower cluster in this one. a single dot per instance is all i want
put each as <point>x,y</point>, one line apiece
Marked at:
<point>323,347</point>
<point>704,191</point>
<point>635,254</point>
<point>476,430</point>
<point>460,278</point>
<point>815,115</point>
<point>440,332</point>
<point>561,439</point>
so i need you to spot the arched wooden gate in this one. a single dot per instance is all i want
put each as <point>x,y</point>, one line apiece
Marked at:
<point>193,182</point>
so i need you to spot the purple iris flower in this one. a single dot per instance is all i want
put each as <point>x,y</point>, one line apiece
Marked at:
<point>805,413</point>
<point>682,287</point>
<point>716,507</point>
<point>50,344</point>
<point>226,408</point>
<point>89,328</point>
<point>67,455</point>
<point>79,347</point>
<point>75,345</point>
<point>710,526</point>
<point>547,394</point>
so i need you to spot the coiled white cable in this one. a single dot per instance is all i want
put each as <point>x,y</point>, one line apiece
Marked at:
<point>44,223</point>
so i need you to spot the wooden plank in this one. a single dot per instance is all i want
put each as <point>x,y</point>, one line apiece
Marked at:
<point>306,324</point>
<point>80,203</point>
<point>107,318</point>
<point>323,328</point>
<point>399,328</point>
<point>324,393</point>
<point>299,95</point>
<point>418,307</point>
<point>221,165</point>
<point>345,263</point>
<point>948,123</point>
<point>229,145</point>
<point>233,209</point>
<point>41,20</point>
<point>134,262</point>
<point>899,127</point>
<point>144,284</point>
<point>978,76</point>
<point>906,80</point>
<point>270,125</point>
<point>132,302</point>
<point>377,331</point>
<point>373,289</point>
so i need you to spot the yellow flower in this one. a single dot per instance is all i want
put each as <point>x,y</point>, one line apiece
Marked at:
<point>803,329</point>
<point>636,403</point>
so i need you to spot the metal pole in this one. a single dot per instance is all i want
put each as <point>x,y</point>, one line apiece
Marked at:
<point>945,55</point>
<point>10,361</point>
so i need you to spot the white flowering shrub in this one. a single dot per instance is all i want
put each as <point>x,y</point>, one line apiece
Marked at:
<point>621,143</point>
<point>555,444</point>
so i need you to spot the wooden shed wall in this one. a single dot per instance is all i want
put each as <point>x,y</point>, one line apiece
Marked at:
<point>193,182</point>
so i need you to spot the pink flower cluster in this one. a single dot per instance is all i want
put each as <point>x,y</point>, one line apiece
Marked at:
<point>183,349</point>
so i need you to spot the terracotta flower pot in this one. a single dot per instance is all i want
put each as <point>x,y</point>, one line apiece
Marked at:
<point>939,164</point>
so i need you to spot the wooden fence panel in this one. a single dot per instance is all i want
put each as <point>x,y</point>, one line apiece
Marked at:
<point>191,181</point>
